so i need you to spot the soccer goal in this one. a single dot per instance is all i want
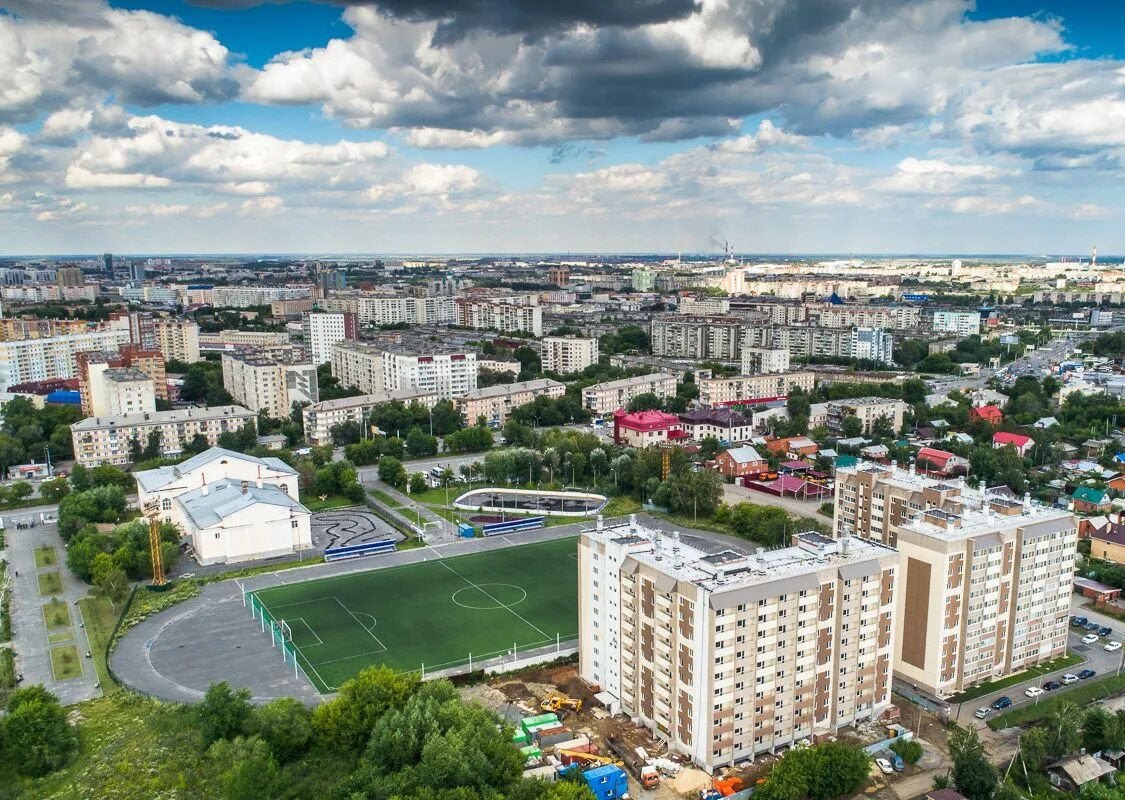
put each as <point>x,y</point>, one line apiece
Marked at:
<point>432,530</point>
<point>285,631</point>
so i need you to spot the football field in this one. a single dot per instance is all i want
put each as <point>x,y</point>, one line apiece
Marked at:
<point>432,615</point>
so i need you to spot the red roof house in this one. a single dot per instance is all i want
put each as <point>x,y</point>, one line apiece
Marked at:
<point>990,414</point>
<point>1023,444</point>
<point>646,428</point>
<point>940,462</point>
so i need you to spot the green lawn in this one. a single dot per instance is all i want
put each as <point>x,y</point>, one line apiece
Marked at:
<point>56,615</point>
<point>99,617</point>
<point>59,638</point>
<point>314,503</point>
<point>1086,692</point>
<point>50,583</point>
<point>972,693</point>
<point>386,499</point>
<point>432,614</point>
<point>45,556</point>
<point>65,662</point>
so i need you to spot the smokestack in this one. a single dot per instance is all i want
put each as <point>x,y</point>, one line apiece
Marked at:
<point>204,479</point>
<point>601,522</point>
<point>245,485</point>
<point>633,523</point>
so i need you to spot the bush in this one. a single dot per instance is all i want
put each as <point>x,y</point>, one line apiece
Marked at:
<point>908,749</point>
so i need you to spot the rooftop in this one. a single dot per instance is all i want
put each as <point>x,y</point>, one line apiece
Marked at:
<point>361,400</point>
<point>153,479</point>
<point>414,350</point>
<point>125,375</point>
<point>162,417</point>
<point>508,389</point>
<point>734,578</point>
<point>209,505</point>
<point>636,380</point>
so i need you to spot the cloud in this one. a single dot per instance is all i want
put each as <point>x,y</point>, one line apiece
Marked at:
<point>935,176</point>
<point>58,51</point>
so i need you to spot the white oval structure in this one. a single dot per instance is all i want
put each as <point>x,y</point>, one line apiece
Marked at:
<point>524,501</point>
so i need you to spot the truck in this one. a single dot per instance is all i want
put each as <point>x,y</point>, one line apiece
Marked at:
<point>648,776</point>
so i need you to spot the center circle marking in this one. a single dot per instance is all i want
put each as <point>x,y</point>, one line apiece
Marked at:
<point>500,591</point>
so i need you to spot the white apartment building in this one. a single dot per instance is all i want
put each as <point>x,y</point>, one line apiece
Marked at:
<point>605,398</point>
<point>702,304</point>
<point>509,315</point>
<point>963,323</point>
<point>697,337</point>
<point>177,339</point>
<point>763,360</point>
<point>270,381</point>
<point>383,368</point>
<point>725,656</point>
<point>235,338</point>
<point>324,331</point>
<point>747,388</point>
<point>873,344</point>
<point>105,440</point>
<point>566,354</point>
<point>494,403</point>
<point>321,418</point>
<point>116,391</point>
<point>868,410</point>
<point>986,578</point>
<point>850,316</point>
<point>53,356</point>
<point>378,310</point>
<point>244,296</point>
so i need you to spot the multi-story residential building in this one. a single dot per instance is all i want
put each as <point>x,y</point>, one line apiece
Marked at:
<point>558,276</point>
<point>270,381</point>
<point>963,323</point>
<point>643,279</point>
<point>230,339</point>
<point>868,410</point>
<point>323,331</point>
<point>116,391</point>
<point>494,403</point>
<point>290,308</point>
<point>724,655</point>
<point>725,424</point>
<point>14,329</point>
<point>697,337</point>
<point>244,296</point>
<point>802,340</point>
<point>762,360</point>
<point>499,313</point>
<point>703,304</point>
<point>392,310</point>
<point>566,354</point>
<point>105,440</point>
<point>142,328</point>
<point>320,418</point>
<point>53,356</point>
<point>605,398</point>
<point>987,578</point>
<point>70,276</point>
<point>750,389</point>
<point>388,368</point>
<point>873,344</point>
<point>851,316</point>
<point>178,339</point>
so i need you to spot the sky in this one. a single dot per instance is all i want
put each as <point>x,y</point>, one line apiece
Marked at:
<point>585,126</point>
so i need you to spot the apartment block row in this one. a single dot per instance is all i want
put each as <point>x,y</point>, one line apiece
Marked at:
<point>392,310</point>
<point>507,314</point>
<point>605,398</point>
<point>567,354</point>
<point>445,372</point>
<point>729,654</point>
<point>753,388</point>
<point>320,418</point>
<point>105,440</point>
<point>272,381</point>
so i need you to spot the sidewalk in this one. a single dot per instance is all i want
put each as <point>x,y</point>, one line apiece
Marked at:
<point>447,533</point>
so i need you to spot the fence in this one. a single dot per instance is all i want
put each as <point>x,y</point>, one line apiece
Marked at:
<point>260,612</point>
<point>358,550</point>
<point>512,526</point>
<point>111,640</point>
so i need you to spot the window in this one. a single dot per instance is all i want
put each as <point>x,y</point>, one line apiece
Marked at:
<point>293,524</point>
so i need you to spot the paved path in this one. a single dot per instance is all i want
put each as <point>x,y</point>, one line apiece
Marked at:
<point>733,493</point>
<point>177,654</point>
<point>29,630</point>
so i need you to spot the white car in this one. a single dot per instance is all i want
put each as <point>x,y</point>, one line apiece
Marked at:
<point>982,712</point>
<point>1089,638</point>
<point>1068,679</point>
<point>884,765</point>
<point>1112,647</point>
<point>1033,691</point>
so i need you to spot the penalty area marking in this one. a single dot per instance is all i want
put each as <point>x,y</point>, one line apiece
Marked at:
<point>496,604</point>
<point>308,627</point>
<point>358,622</point>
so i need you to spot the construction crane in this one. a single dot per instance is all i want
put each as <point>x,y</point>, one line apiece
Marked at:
<point>558,701</point>
<point>152,511</point>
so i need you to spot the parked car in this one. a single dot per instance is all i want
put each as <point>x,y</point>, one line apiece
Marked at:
<point>1050,686</point>
<point>1112,647</point>
<point>1068,679</point>
<point>1078,621</point>
<point>1089,638</point>
<point>1033,691</point>
<point>884,765</point>
<point>1105,630</point>
<point>1091,626</point>
<point>896,761</point>
<point>1086,674</point>
<point>1000,703</point>
<point>982,712</point>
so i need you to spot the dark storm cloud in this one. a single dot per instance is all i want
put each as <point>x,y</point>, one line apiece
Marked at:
<point>533,17</point>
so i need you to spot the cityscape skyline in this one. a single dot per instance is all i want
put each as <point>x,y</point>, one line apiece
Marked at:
<point>845,126</point>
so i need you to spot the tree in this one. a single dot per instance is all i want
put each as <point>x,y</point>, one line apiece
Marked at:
<point>446,418</point>
<point>285,725</point>
<point>1033,749</point>
<point>418,483</point>
<point>241,440</point>
<point>1062,729</point>
<point>36,735</point>
<point>645,402</point>
<point>109,475</point>
<point>21,490</point>
<point>346,433</point>
<point>247,768</point>
<point>113,585</point>
<point>197,445</point>
<point>818,773</point>
<point>469,439</point>
<point>344,723</point>
<point>709,448</point>
<point>100,566</point>
<point>851,427</point>
<point>394,447</point>
<point>913,390</point>
<point>55,489</point>
<point>364,452</point>
<point>223,713</point>
<point>973,776</point>
<point>420,444</point>
<point>391,471</point>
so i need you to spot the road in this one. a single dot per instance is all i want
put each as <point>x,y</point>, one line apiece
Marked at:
<point>453,461</point>
<point>1097,659</point>
<point>733,493</point>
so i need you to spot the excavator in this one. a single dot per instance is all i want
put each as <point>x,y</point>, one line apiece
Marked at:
<point>589,759</point>
<point>558,701</point>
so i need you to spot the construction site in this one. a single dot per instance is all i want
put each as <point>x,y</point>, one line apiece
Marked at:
<point>562,730</point>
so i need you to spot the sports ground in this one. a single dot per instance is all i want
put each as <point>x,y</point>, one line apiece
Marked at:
<point>431,615</point>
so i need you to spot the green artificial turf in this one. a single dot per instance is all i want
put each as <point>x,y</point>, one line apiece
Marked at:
<point>432,614</point>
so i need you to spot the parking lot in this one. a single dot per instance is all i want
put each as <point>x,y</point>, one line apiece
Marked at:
<point>1103,663</point>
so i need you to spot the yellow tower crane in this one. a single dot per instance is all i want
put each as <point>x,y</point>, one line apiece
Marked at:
<point>152,511</point>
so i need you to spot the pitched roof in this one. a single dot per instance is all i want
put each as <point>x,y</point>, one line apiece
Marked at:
<point>1088,494</point>
<point>153,479</point>
<point>744,454</point>
<point>1083,769</point>
<point>1015,439</point>
<point>648,420</point>
<point>225,498</point>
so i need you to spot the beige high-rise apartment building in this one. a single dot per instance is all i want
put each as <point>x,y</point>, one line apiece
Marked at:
<point>270,381</point>
<point>725,655</point>
<point>986,578</point>
<point>372,369</point>
<point>116,391</point>
<point>178,339</point>
<point>565,354</point>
